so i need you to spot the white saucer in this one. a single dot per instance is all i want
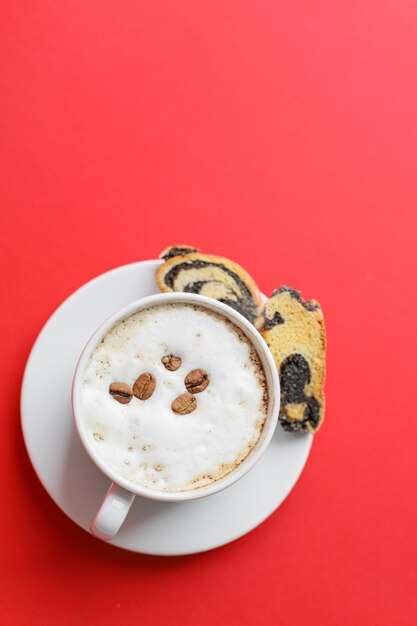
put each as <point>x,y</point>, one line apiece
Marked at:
<point>74,482</point>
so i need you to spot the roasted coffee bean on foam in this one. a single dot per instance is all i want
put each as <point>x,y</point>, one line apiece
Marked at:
<point>160,435</point>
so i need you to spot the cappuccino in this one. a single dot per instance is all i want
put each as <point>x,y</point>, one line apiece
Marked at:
<point>174,397</point>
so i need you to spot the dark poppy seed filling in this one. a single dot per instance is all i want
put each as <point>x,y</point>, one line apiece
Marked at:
<point>196,286</point>
<point>177,251</point>
<point>273,321</point>
<point>295,374</point>
<point>309,305</point>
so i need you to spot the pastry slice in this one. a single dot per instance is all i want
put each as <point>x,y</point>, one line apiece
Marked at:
<point>212,276</point>
<point>294,331</point>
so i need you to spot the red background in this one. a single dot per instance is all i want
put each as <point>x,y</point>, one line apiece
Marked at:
<point>281,134</point>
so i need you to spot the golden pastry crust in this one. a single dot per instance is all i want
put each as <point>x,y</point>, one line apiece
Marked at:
<point>212,276</point>
<point>294,331</point>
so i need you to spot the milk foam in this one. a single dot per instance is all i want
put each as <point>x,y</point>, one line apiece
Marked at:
<point>145,441</point>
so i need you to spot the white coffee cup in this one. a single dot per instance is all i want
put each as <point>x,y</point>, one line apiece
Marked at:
<point>120,495</point>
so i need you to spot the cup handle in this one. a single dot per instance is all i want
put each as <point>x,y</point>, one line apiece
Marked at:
<point>112,512</point>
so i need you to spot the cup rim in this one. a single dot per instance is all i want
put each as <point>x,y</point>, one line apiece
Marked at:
<point>273,387</point>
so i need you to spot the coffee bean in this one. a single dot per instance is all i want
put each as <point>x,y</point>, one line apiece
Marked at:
<point>185,403</point>
<point>121,392</point>
<point>171,362</point>
<point>144,386</point>
<point>196,381</point>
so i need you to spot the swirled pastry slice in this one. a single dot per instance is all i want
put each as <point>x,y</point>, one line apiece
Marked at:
<point>294,331</point>
<point>212,276</point>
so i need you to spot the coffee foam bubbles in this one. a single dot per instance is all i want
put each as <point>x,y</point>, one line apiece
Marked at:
<point>145,441</point>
